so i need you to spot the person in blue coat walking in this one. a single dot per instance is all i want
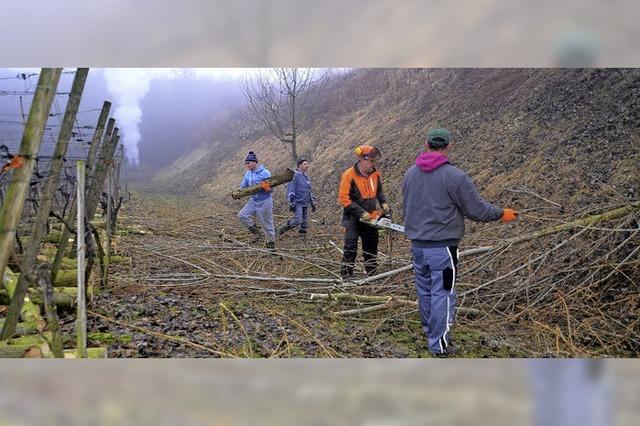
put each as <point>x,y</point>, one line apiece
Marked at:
<point>300,198</point>
<point>260,204</point>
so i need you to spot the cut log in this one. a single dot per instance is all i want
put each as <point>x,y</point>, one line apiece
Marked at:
<point>21,351</point>
<point>274,180</point>
<point>63,297</point>
<point>30,312</point>
<point>22,328</point>
<point>34,346</point>
<point>66,278</point>
<point>91,353</point>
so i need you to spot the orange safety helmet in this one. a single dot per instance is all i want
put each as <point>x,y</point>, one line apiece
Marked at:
<point>367,151</point>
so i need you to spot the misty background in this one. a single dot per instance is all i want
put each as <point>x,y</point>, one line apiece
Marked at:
<point>162,113</point>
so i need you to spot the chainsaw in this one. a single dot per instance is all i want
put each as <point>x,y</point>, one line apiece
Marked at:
<point>383,222</point>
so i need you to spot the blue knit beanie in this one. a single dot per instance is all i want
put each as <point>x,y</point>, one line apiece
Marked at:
<point>251,157</point>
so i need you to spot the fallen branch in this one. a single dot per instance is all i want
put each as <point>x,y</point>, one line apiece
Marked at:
<point>388,302</point>
<point>247,277</point>
<point>464,293</point>
<point>585,222</point>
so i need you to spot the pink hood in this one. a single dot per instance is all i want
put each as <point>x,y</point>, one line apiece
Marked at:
<point>429,161</point>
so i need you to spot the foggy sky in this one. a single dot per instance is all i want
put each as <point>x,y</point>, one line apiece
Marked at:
<point>161,113</point>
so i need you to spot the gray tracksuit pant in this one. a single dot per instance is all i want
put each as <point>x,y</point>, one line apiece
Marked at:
<point>435,270</point>
<point>264,210</point>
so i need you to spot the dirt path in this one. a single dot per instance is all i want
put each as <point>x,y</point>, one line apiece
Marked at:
<point>171,294</point>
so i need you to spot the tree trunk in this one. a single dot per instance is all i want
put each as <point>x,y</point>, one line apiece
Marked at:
<point>274,180</point>
<point>294,149</point>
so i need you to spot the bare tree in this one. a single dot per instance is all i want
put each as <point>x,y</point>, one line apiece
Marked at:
<point>280,98</point>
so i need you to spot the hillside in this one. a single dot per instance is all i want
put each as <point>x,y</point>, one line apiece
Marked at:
<point>543,129</point>
<point>557,145</point>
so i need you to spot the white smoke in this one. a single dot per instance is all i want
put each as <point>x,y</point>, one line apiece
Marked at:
<point>128,86</point>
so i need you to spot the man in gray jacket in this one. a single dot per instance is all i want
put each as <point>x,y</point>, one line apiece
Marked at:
<point>436,198</point>
<point>300,198</point>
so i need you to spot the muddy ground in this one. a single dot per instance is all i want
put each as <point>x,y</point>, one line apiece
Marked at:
<point>161,300</point>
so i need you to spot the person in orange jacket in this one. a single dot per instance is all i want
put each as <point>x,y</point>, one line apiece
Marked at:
<point>360,191</point>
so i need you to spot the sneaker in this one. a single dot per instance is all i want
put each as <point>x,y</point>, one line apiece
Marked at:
<point>271,246</point>
<point>450,350</point>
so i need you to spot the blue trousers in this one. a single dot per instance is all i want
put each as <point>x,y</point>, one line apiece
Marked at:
<point>300,218</point>
<point>435,270</point>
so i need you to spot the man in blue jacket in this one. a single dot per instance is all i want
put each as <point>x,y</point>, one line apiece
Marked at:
<point>260,204</point>
<point>300,197</point>
<point>436,198</point>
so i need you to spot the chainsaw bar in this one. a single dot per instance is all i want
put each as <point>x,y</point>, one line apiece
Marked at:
<point>384,222</point>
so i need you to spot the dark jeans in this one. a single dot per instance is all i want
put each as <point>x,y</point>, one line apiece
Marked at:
<point>355,229</point>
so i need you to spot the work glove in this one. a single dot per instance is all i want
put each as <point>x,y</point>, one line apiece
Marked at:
<point>386,210</point>
<point>265,185</point>
<point>366,217</point>
<point>292,207</point>
<point>508,215</point>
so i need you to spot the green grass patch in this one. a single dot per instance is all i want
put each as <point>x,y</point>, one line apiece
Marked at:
<point>54,237</point>
<point>115,260</point>
<point>108,338</point>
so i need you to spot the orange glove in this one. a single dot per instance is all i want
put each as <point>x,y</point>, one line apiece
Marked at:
<point>265,185</point>
<point>508,215</point>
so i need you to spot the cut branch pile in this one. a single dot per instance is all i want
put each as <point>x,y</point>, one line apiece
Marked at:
<point>570,284</point>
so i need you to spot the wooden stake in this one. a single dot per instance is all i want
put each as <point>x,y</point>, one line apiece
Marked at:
<point>93,195</point>
<point>107,251</point>
<point>81,319</point>
<point>53,322</point>
<point>39,226</point>
<point>13,202</point>
<point>71,215</point>
<point>97,183</point>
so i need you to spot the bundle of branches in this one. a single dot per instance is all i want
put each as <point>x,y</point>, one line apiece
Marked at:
<point>576,290</point>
